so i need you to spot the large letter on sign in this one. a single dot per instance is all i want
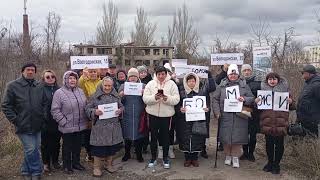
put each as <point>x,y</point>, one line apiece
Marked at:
<point>232,92</point>
<point>281,101</point>
<point>265,99</point>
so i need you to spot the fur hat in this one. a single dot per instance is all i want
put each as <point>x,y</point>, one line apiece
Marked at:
<point>133,72</point>
<point>233,68</point>
<point>142,69</point>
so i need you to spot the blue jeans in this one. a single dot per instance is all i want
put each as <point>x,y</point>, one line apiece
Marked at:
<point>32,164</point>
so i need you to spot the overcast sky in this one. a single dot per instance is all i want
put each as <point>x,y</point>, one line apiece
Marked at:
<point>211,17</point>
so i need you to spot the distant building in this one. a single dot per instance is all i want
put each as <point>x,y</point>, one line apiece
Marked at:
<point>129,54</point>
<point>312,53</point>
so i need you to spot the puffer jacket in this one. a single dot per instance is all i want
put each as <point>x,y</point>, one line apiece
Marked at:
<point>160,108</point>
<point>88,86</point>
<point>272,122</point>
<point>104,132</point>
<point>189,142</point>
<point>68,107</point>
<point>308,107</point>
<point>25,105</point>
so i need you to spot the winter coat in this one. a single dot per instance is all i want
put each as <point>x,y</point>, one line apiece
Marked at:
<point>68,107</point>
<point>51,125</point>
<point>233,128</point>
<point>160,108</point>
<point>272,122</point>
<point>189,142</point>
<point>253,84</point>
<point>308,107</point>
<point>222,75</point>
<point>118,83</point>
<point>133,107</point>
<point>104,132</point>
<point>88,86</point>
<point>147,79</point>
<point>25,105</point>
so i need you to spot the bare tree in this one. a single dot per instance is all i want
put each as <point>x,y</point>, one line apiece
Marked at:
<point>109,31</point>
<point>51,31</point>
<point>144,30</point>
<point>183,34</point>
<point>261,32</point>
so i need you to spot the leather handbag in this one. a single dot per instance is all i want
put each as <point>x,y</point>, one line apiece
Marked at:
<point>296,129</point>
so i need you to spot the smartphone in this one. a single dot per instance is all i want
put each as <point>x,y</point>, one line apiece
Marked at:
<point>160,91</point>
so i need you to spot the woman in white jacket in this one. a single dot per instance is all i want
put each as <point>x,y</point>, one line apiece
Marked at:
<point>160,95</point>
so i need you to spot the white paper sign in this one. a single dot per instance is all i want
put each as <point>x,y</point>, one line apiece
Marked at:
<point>91,62</point>
<point>232,105</point>
<point>232,92</point>
<point>179,62</point>
<point>265,99</point>
<point>109,110</point>
<point>131,88</point>
<point>281,102</point>
<point>194,108</point>
<point>262,59</point>
<point>227,58</point>
<point>201,71</point>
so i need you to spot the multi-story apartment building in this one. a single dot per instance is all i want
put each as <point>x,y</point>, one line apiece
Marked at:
<point>128,54</point>
<point>312,53</point>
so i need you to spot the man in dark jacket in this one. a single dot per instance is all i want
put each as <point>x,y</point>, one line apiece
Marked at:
<point>25,105</point>
<point>253,125</point>
<point>308,108</point>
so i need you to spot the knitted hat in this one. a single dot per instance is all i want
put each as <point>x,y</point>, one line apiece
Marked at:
<point>29,65</point>
<point>142,69</point>
<point>133,72</point>
<point>168,67</point>
<point>233,68</point>
<point>246,66</point>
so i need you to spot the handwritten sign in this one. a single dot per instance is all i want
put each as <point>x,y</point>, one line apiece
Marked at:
<point>201,71</point>
<point>109,110</point>
<point>91,62</point>
<point>232,105</point>
<point>227,58</point>
<point>194,108</point>
<point>179,62</point>
<point>281,102</point>
<point>265,99</point>
<point>131,88</point>
<point>232,92</point>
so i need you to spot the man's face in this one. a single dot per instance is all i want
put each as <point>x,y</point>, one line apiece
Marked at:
<point>306,75</point>
<point>247,73</point>
<point>161,76</point>
<point>29,72</point>
<point>103,72</point>
<point>112,71</point>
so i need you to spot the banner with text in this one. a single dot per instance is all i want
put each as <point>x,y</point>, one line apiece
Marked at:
<point>201,71</point>
<point>91,62</point>
<point>262,61</point>
<point>227,58</point>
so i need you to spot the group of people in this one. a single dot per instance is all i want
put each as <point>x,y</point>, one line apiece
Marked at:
<point>44,112</point>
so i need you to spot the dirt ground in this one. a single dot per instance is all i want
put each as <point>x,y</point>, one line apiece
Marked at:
<point>134,170</point>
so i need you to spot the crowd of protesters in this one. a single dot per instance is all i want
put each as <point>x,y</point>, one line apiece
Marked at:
<point>43,113</point>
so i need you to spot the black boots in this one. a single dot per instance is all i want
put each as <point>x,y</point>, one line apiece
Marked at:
<point>127,147</point>
<point>268,167</point>
<point>138,149</point>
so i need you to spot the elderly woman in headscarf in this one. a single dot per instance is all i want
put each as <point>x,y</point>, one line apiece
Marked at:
<point>234,126</point>
<point>106,134</point>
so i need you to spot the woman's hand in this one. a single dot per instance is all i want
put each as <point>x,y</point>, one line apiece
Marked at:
<point>183,110</point>
<point>98,112</point>
<point>257,100</point>
<point>290,100</point>
<point>217,115</point>
<point>241,99</point>
<point>121,93</point>
<point>206,109</point>
<point>118,112</point>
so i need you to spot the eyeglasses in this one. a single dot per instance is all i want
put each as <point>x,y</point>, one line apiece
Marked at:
<point>50,77</point>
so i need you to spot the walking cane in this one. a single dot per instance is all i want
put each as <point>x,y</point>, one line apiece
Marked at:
<point>215,162</point>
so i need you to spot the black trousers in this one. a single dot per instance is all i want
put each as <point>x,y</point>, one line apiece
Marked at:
<point>50,147</point>
<point>171,132</point>
<point>191,156</point>
<point>252,137</point>
<point>274,148</point>
<point>86,140</point>
<point>159,127</point>
<point>71,149</point>
<point>136,143</point>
